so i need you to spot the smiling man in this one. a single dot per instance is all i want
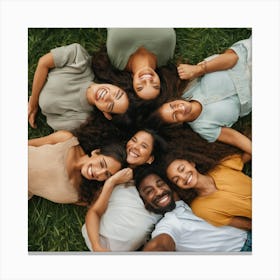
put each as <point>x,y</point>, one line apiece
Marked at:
<point>180,229</point>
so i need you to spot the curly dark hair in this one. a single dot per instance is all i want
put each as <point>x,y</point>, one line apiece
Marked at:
<point>99,133</point>
<point>90,189</point>
<point>184,143</point>
<point>139,109</point>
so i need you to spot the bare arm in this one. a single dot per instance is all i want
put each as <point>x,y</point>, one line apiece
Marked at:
<point>241,222</point>
<point>162,242</point>
<point>222,62</point>
<point>56,137</point>
<point>235,138</point>
<point>45,63</point>
<point>98,208</point>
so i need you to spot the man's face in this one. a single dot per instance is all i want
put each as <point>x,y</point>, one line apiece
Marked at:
<point>156,194</point>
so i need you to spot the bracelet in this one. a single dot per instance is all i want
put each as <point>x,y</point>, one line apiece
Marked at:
<point>203,66</point>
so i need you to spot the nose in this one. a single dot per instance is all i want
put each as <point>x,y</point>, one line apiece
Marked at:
<point>158,191</point>
<point>101,173</point>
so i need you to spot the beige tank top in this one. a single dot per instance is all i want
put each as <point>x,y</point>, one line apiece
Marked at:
<point>47,174</point>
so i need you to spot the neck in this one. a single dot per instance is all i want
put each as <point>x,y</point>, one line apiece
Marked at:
<point>75,159</point>
<point>141,58</point>
<point>196,110</point>
<point>90,94</point>
<point>205,185</point>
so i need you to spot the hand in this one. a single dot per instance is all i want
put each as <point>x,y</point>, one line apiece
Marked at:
<point>99,248</point>
<point>122,176</point>
<point>32,112</point>
<point>188,71</point>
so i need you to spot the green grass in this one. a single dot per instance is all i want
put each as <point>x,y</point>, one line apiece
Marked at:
<point>57,227</point>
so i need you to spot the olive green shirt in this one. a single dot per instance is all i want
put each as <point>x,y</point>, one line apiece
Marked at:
<point>63,98</point>
<point>123,42</point>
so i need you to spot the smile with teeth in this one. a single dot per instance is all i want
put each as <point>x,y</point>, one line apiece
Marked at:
<point>101,93</point>
<point>146,77</point>
<point>188,180</point>
<point>164,200</point>
<point>90,172</point>
<point>133,154</point>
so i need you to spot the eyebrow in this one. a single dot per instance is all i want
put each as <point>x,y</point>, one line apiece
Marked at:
<point>173,114</point>
<point>105,164</point>
<point>119,95</point>
<point>111,106</point>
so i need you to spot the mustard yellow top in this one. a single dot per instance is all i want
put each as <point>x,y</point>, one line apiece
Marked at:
<point>232,198</point>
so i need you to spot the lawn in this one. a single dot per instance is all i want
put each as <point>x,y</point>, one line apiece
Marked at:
<point>56,227</point>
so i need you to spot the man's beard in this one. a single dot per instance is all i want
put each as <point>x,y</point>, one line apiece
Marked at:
<point>162,210</point>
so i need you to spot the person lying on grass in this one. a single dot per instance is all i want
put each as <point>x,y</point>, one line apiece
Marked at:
<point>61,171</point>
<point>180,229</point>
<point>64,88</point>
<point>221,193</point>
<point>213,102</point>
<point>125,214</point>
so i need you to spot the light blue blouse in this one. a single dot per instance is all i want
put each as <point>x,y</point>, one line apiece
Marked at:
<point>224,95</point>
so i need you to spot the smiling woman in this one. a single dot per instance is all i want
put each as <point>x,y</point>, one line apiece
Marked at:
<point>63,87</point>
<point>141,51</point>
<point>59,167</point>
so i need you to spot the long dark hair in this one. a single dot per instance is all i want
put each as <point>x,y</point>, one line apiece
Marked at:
<point>184,143</point>
<point>90,189</point>
<point>99,133</point>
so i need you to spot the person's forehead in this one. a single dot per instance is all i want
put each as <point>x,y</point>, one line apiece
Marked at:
<point>149,180</point>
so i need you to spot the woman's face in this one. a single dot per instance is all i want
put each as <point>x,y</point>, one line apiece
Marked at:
<point>99,167</point>
<point>176,111</point>
<point>109,98</point>
<point>146,83</point>
<point>182,173</point>
<point>139,148</point>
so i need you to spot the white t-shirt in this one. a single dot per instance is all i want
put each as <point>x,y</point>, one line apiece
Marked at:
<point>126,225</point>
<point>192,234</point>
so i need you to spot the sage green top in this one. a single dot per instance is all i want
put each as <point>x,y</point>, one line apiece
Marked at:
<point>63,98</point>
<point>123,42</point>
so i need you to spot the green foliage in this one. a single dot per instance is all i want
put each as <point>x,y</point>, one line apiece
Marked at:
<point>57,227</point>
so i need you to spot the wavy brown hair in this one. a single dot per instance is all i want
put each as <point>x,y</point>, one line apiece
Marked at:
<point>99,133</point>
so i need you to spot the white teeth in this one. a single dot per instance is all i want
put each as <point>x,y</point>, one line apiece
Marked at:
<point>90,171</point>
<point>133,154</point>
<point>190,178</point>
<point>146,77</point>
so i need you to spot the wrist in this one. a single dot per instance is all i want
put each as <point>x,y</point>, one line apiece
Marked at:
<point>202,67</point>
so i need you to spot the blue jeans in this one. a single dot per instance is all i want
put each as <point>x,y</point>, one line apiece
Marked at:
<point>247,247</point>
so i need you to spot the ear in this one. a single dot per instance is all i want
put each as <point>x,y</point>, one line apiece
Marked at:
<point>150,160</point>
<point>95,152</point>
<point>107,115</point>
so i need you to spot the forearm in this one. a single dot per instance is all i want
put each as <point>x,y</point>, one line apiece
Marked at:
<point>162,242</point>
<point>56,137</point>
<point>235,138</point>
<point>221,62</point>
<point>92,226</point>
<point>241,222</point>
<point>45,63</point>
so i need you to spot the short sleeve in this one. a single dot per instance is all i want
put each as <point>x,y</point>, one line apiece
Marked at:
<point>233,162</point>
<point>73,54</point>
<point>243,49</point>
<point>209,132</point>
<point>168,225</point>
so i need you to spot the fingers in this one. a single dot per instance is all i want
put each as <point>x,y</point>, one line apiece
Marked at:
<point>31,119</point>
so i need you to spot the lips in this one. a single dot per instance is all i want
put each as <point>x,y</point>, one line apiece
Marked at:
<point>146,77</point>
<point>163,200</point>
<point>189,179</point>
<point>90,172</point>
<point>133,153</point>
